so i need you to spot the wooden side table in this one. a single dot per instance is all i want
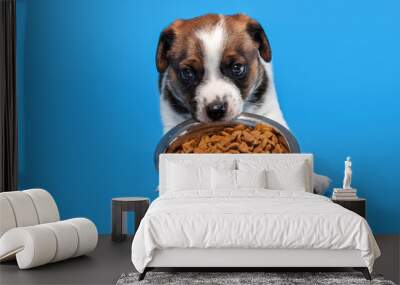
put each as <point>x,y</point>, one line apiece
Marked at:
<point>120,207</point>
<point>357,205</point>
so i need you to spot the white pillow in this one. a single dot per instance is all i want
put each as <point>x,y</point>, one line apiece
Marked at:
<point>171,177</point>
<point>223,179</point>
<point>293,179</point>
<point>284,172</point>
<point>181,177</point>
<point>251,178</point>
<point>237,179</point>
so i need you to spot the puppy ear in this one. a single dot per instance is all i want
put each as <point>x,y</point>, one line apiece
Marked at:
<point>164,45</point>
<point>258,35</point>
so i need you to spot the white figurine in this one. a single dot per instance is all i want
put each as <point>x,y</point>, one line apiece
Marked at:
<point>347,173</point>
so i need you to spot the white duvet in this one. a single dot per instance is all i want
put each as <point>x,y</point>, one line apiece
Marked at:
<point>253,218</point>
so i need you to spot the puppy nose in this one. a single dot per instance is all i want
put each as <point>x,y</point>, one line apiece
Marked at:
<point>216,110</point>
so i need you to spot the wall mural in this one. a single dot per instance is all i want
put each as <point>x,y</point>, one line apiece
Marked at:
<point>217,90</point>
<point>89,105</point>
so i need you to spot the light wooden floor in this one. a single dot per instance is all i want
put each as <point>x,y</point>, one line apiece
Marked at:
<point>110,260</point>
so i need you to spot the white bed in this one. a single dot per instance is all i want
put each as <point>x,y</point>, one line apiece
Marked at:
<point>197,224</point>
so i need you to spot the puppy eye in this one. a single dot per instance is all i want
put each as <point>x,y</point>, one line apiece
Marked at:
<point>238,70</point>
<point>188,74</point>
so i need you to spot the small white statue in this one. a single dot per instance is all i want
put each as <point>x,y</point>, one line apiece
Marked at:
<point>347,173</point>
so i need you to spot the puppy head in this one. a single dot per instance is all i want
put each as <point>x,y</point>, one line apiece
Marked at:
<point>212,64</point>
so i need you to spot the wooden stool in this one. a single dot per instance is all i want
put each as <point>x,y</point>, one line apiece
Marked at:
<point>120,207</point>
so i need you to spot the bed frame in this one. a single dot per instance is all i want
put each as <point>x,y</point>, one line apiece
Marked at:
<point>233,259</point>
<point>246,259</point>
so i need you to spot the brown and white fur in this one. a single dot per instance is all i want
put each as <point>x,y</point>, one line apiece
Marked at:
<point>214,67</point>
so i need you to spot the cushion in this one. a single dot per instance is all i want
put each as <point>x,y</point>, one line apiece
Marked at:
<point>181,178</point>
<point>45,206</point>
<point>223,179</point>
<point>189,161</point>
<point>293,178</point>
<point>23,208</point>
<point>283,173</point>
<point>40,244</point>
<point>87,233</point>
<point>66,237</point>
<point>228,179</point>
<point>251,178</point>
<point>26,208</point>
<point>7,220</point>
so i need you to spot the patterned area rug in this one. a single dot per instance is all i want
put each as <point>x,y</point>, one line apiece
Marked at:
<point>244,278</point>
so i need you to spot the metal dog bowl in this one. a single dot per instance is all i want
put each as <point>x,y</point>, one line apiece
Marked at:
<point>190,126</point>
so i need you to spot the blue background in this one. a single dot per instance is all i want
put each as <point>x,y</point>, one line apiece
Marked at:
<point>88,100</point>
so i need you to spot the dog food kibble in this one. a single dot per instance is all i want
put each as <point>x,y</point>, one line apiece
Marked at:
<point>237,139</point>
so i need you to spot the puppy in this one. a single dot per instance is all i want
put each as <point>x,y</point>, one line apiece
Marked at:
<point>214,67</point>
